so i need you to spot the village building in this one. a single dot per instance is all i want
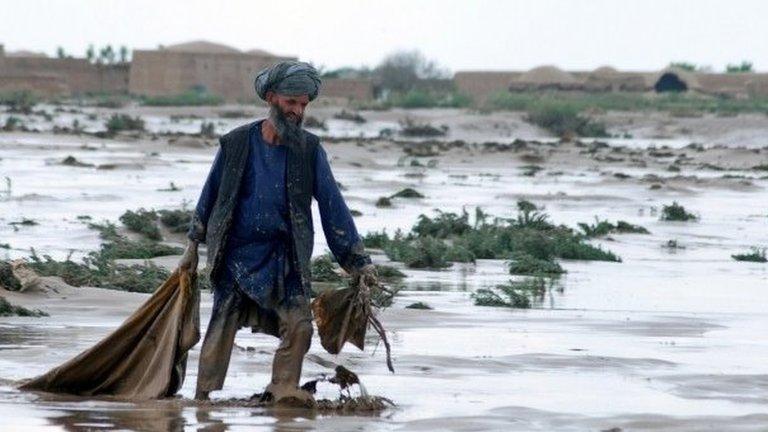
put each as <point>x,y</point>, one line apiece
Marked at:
<point>484,84</point>
<point>198,66</point>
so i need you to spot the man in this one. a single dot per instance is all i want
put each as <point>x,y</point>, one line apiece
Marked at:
<point>254,214</point>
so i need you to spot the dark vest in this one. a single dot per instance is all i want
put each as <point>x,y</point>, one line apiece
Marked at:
<point>300,175</point>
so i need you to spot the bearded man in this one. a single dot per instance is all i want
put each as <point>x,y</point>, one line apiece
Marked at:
<point>254,214</point>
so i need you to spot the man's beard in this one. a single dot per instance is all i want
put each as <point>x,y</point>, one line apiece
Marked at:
<point>289,131</point>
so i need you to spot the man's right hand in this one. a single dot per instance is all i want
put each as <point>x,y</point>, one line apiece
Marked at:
<point>189,260</point>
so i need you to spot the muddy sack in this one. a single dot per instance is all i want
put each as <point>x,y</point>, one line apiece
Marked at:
<point>344,315</point>
<point>145,358</point>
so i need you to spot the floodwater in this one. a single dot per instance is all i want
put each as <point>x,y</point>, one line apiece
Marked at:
<point>665,340</point>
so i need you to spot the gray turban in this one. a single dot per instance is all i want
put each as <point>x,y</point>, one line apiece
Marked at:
<point>290,78</point>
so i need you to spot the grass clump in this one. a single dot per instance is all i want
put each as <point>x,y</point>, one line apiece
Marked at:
<point>434,242</point>
<point>7,309</point>
<point>123,122</point>
<point>421,252</point>
<point>411,128</point>
<point>419,305</point>
<point>602,228</point>
<point>514,294</point>
<point>143,222</point>
<point>350,116</point>
<point>407,193</point>
<point>676,212</point>
<point>389,274</point>
<point>323,270</point>
<point>442,226</point>
<point>98,269</point>
<point>424,99</point>
<point>376,239</point>
<point>176,220</point>
<point>564,119</point>
<point>755,255</point>
<point>384,202</point>
<point>19,102</point>
<point>7,279</point>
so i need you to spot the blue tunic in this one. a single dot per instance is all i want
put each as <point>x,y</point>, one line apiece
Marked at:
<point>257,254</point>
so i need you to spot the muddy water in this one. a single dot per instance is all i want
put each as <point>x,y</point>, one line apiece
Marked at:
<point>665,340</point>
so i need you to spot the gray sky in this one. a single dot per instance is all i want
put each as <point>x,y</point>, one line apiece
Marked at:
<point>460,35</point>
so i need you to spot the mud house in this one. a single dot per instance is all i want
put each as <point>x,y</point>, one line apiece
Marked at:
<point>48,76</point>
<point>167,71</point>
<point>483,84</point>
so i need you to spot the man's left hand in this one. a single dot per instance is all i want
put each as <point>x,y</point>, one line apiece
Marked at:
<point>367,275</point>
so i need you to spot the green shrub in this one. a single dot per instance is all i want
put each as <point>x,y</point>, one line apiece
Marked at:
<point>323,270</point>
<point>375,239</point>
<point>21,102</point>
<point>676,212</point>
<point>143,222</point>
<point>422,252</point>
<point>563,119</point>
<point>123,122</point>
<point>425,99</point>
<point>525,264</point>
<point>7,279</point>
<point>407,193</point>
<point>7,309</point>
<point>602,228</point>
<point>444,225</point>
<point>514,294</point>
<point>389,274</point>
<point>383,202</point>
<point>755,255</point>
<point>176,220</point>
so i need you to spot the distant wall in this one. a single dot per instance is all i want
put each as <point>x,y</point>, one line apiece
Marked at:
<point>351,89</point>
<point>167,73</point>
<point>481,84</point>
<point>76,75</point>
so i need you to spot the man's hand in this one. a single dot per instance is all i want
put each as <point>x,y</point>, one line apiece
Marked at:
<point>368,275</point>
<point>188,261</point>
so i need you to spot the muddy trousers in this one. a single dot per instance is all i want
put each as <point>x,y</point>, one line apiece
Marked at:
<point>294,326</point>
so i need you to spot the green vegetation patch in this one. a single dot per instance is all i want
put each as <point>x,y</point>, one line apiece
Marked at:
<point>676,212</point>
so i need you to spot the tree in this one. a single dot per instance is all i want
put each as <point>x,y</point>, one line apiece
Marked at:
<point>400,71</point>
<point>744,67</point>
<point>123,54</point>
<point>60,53</point>
<point>110,54</point>
<point>90,53</point>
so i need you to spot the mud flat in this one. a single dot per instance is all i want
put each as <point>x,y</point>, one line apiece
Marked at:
<point>667,339</point>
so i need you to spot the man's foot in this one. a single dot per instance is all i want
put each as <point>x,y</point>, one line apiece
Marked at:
<point>288,396</point>
<point>202,395</point>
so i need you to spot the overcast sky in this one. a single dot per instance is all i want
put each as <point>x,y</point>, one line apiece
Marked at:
<point>459,35</point>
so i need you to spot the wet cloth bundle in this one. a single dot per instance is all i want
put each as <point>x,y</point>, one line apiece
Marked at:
<point>145,358</point>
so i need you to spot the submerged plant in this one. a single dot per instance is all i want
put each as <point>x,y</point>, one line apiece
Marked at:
<point>7,309</point>
<point>407,193</point>
<point>602,228</point>
<point>676,212</point>
<point>755,255</point>
<point>323,270</point>
<point>143,222</point>
<point>525,264</point>
<point>513,294</point>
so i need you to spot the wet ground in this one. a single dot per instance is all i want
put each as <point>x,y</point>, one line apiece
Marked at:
<point>665,340</point>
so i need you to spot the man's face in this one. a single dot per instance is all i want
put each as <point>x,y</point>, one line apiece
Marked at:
<point>292,107</point>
